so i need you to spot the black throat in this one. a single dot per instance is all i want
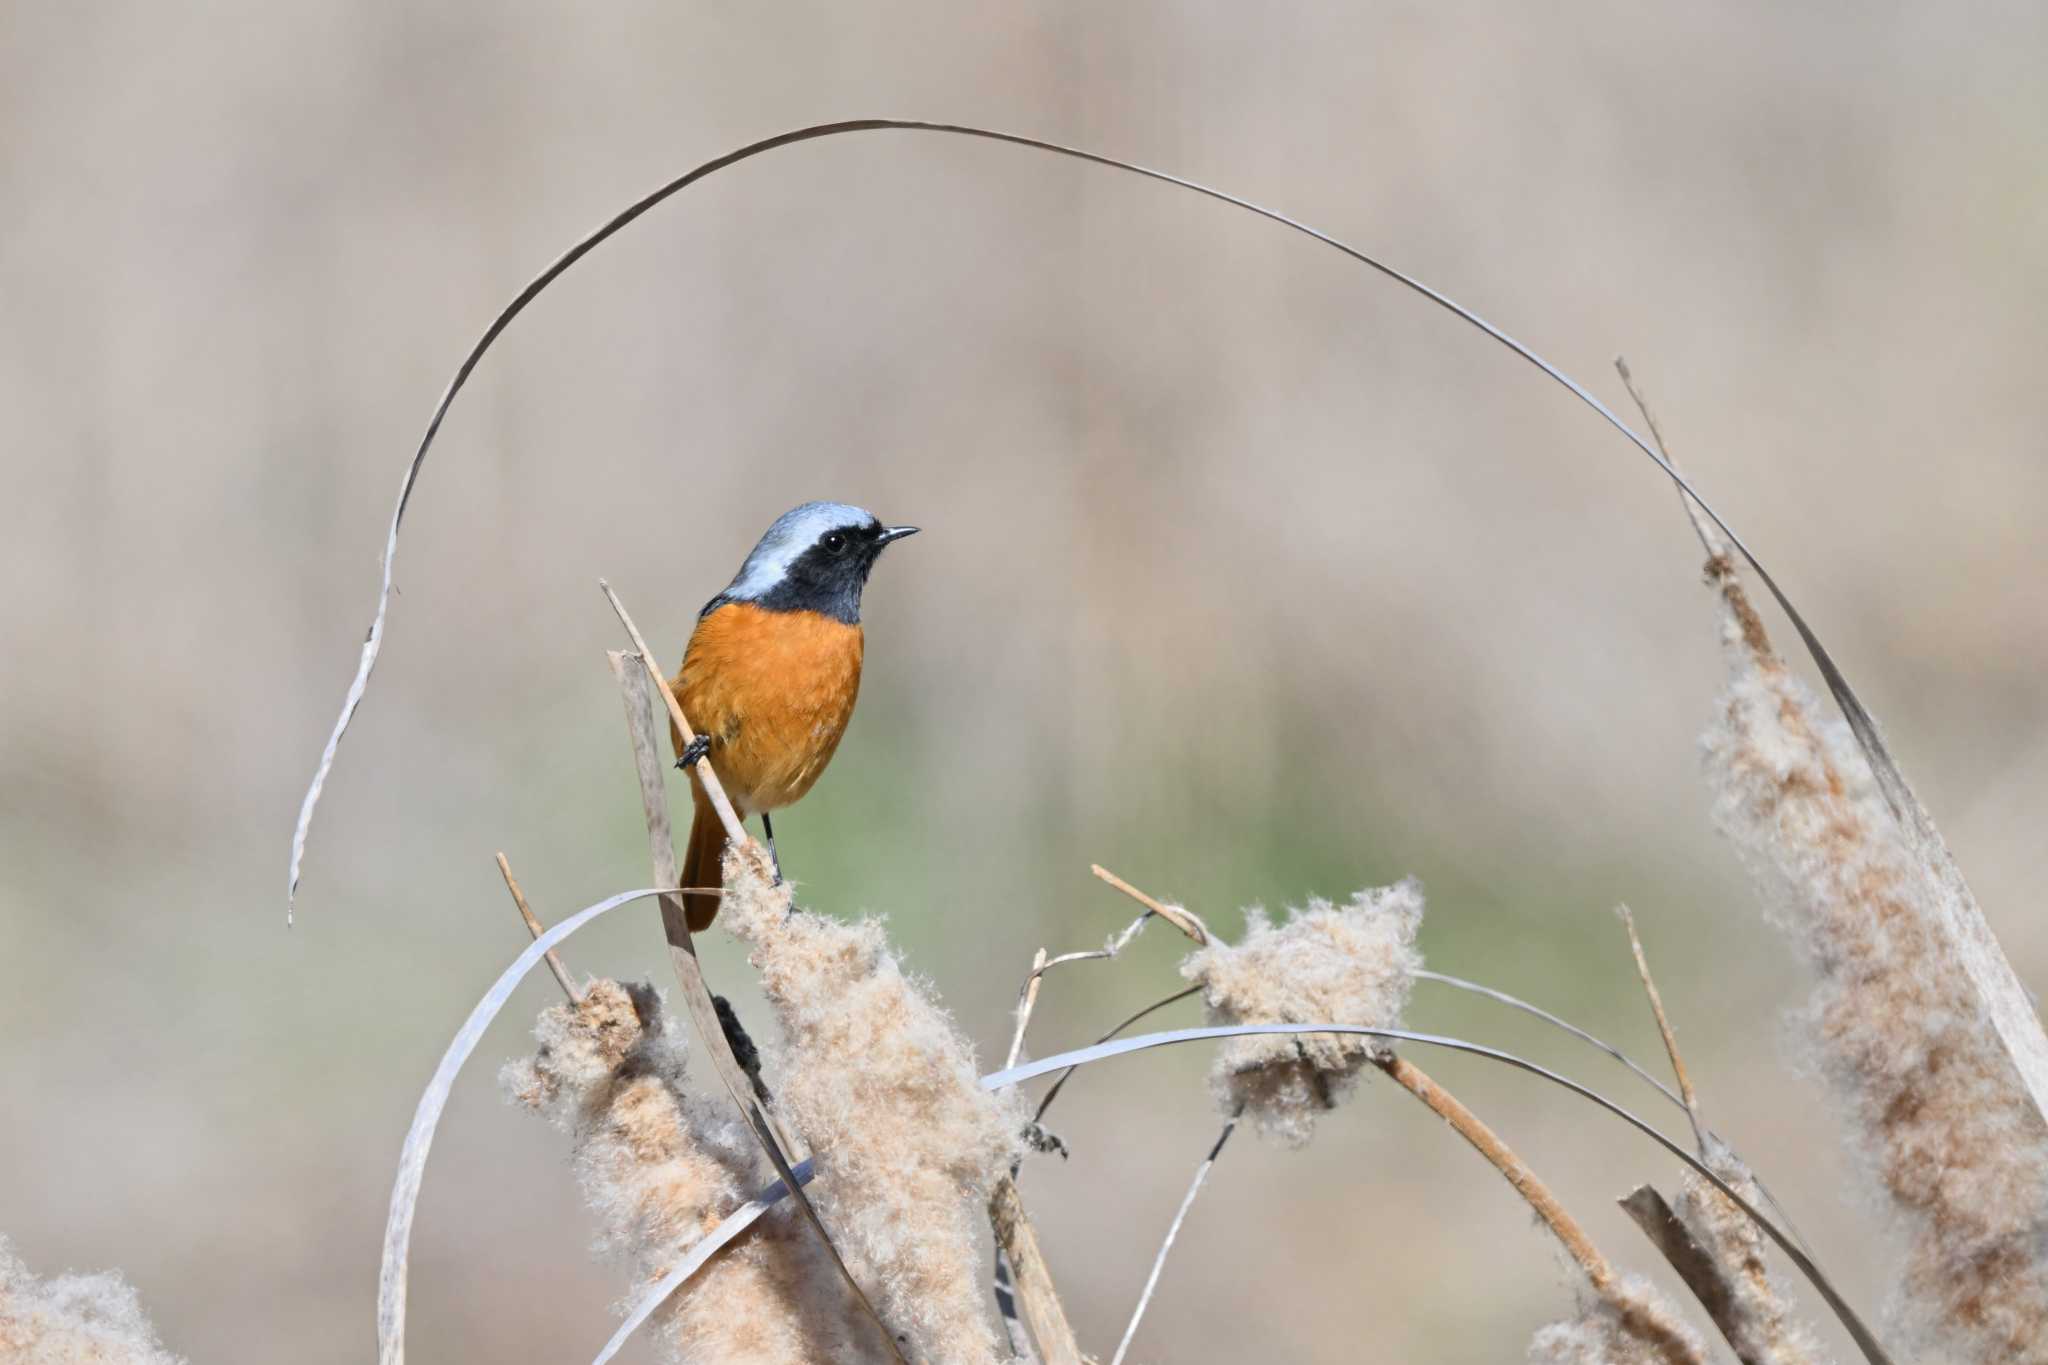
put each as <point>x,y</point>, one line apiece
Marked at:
<point>817,581</point>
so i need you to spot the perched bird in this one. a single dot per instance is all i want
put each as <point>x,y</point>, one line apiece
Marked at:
<point>771,673</point>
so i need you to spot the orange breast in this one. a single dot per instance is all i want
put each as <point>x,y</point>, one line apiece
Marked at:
<point>774,690</point>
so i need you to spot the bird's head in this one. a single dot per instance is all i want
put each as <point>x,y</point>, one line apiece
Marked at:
<point>814,558</point>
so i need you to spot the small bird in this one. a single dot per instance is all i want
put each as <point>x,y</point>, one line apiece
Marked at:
<point>770,676</point>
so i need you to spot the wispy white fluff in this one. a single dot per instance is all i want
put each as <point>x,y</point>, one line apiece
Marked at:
<point>1610,1331</point>
<point>886,1090</point>
<point>1327,964</point>
<point>660,1167</point>
<point>73,1319</point>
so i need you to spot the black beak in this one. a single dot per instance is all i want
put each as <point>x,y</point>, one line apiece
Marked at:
<point>890,533</point>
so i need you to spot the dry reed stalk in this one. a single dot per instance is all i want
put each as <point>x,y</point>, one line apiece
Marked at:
<point>1567,1027</point>
<point>1686,1093</point>
<point>1180,917</point>
<point>633,678</point>
<point>534,927</point>
<point>1043,1312</point>
<point>1637,1312</point>
<point>1695,1265</point>
<point>73,1319</point>
<point>707,776</point>
<point>1724,1269</point>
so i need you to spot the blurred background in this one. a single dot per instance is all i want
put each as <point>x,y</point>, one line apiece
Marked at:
<point>1245,573</point>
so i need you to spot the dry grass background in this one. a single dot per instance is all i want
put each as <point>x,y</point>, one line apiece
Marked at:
<point>1243,573</point>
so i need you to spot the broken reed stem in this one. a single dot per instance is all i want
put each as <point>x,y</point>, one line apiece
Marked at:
<point>702,1009</point>
<point>1694,1263</point>
<point>536,928</point>
<point>1018,1243</point>
<point>1668,1339</point>
<point>1685,1090</point>
<point>1159,1261</point>
<point>1181,919</point>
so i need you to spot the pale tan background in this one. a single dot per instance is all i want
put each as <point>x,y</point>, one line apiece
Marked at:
<point>1245,573</point>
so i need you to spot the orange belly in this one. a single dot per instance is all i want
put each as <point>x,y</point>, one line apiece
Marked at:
<point>774,690</point>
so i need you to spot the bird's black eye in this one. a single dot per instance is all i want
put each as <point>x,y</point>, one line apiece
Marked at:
<point>834,542</point>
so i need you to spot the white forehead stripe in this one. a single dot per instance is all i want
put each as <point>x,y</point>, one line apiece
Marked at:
<point>794,532</point>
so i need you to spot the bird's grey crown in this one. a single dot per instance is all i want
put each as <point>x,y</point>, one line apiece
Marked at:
<point>779,547</point>
<point>793,532</point>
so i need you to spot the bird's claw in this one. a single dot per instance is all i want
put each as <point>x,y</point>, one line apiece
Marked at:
<point>1041,1139</point>
<point>693,752</point>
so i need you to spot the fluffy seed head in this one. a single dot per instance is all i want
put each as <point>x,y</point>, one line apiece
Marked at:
<point>73,1319</point>
<point>1927,1091</point>
<point>660,1167</point>
<point>885,1089</point>
<point>1352,964</point>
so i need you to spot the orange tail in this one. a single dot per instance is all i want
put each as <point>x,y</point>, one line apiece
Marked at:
<point>703,863</point>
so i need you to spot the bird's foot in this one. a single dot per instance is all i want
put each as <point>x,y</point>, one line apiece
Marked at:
<point>693,752</point>
<point>1040,1139</point>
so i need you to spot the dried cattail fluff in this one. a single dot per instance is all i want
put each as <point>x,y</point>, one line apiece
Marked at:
<point>885,1089</point>
<point>1631,1325</point>
<point>1931,1097</point>
<point>661,1167</point>
<point>1759,1325</point>
<point>72,1319</point>
<point>1348,965</point>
